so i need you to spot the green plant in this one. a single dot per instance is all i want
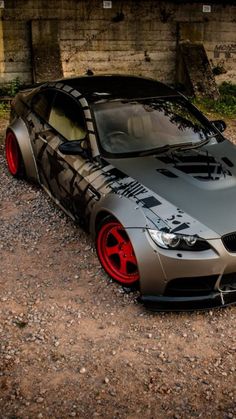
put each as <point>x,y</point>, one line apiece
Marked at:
<point>227,88</point>
<point>225,105</point>
<point>10,89</point>
<point>14,86</point>
<point>4,109</point>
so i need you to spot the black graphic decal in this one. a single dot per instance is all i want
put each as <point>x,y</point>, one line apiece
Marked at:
<point>55,167</point>
<point>150,202</point>
<point>180,227</point>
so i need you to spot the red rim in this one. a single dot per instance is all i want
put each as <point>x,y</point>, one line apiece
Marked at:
<point>12,153</point>
<point>116,253</point>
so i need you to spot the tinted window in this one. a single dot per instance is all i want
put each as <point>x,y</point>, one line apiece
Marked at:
<point>67,117</point>
<point>137,126</point>
<point>41,103</point>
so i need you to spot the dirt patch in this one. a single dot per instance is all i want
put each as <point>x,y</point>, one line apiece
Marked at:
<point>74,344</point>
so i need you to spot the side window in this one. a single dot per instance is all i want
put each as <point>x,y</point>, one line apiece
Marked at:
<point>42,102</point>
<point>67,118</point>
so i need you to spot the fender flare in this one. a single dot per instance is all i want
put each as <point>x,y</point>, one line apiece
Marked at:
<point>131,216</point>
<point>19,128</point>
<point>127,212</point>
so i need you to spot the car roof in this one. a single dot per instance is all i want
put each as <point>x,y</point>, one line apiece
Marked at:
<point>110,87</point>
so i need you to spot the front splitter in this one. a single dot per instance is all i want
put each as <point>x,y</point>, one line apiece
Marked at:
<point>189,303</point>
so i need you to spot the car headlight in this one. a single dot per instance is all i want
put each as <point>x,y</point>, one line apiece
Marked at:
<point>178,241</point>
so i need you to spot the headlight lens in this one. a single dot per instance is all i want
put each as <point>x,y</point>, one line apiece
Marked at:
<point>178,241</point>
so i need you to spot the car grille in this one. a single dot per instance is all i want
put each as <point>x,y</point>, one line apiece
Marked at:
<point>228,282</point>
<point>191,286</point>
<point>229,241</point>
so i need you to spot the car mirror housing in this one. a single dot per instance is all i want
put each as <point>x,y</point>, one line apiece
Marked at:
<point>73,148</point>
<point>219,124</point>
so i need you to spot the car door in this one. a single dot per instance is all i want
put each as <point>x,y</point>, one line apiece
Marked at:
<point>63,176</point>
<point>37,124</point>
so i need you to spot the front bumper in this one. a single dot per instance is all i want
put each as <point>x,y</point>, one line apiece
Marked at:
<point>189,303</point>
<point>184,280</point>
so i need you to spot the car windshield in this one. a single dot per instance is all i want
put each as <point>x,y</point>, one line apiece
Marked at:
<point>146,125</point>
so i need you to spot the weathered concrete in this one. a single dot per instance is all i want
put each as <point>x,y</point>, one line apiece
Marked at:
<point>46,58</point>
<point>194,72</point>
<point>139,37</point>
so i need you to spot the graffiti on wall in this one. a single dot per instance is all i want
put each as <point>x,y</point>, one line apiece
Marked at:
<point>226,49</point>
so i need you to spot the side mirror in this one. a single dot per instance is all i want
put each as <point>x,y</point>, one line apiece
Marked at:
<point>219,124</point>
<point>73,148</point>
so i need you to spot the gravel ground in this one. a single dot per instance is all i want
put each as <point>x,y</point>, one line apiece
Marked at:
<point>74,344</point>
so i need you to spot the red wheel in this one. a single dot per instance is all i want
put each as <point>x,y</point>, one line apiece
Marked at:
<point>13,155</point>
<point>116,253</point>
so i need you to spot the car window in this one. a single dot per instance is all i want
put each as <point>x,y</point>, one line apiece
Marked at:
<point>138,126</point>
<point>67,117</point>
<point>42,102</point>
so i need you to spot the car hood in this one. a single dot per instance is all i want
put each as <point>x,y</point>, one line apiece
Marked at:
<point>200,182</point>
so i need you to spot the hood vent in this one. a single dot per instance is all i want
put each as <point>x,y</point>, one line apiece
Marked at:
<point>166,173</point>
<point>227,161</point>
<point>199,165</point>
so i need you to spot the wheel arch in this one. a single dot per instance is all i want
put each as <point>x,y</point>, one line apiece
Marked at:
<point>127,212</point>
<point>132,217</point>
<point>101,215</point>
<point>19,129</point>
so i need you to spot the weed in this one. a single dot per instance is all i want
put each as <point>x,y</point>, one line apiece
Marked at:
<point>10,89</point>
<point>227,88</point>
<point>225,105</point>
<point>4,109</point>
<point>15,86</point>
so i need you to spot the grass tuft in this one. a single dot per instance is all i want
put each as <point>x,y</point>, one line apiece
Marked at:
<point>224,106</point>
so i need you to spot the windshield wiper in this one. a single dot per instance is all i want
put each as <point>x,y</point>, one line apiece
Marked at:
<point>179,146</point>
<point>189,146</point>
<point>157,150</point>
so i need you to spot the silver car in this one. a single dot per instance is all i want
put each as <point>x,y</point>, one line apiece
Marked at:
<point>137,165</point>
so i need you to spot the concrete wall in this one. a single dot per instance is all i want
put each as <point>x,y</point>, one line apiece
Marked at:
<point>138,37</point>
